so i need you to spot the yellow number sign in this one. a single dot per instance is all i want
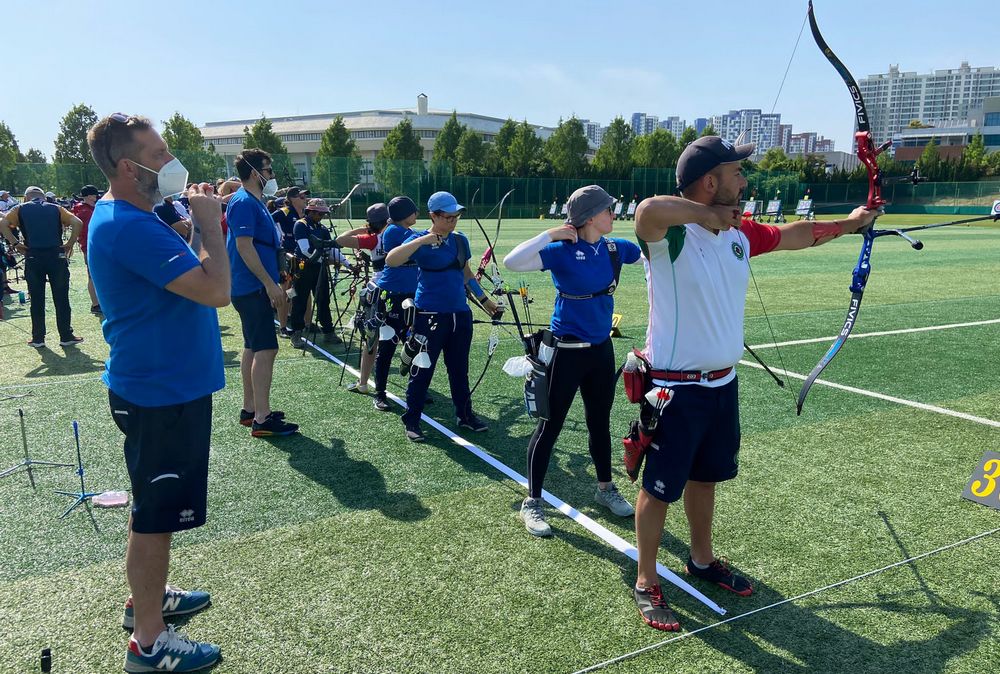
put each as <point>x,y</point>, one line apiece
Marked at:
<point>984,485</point>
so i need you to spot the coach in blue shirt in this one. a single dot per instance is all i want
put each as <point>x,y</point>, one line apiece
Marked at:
<point>156,293</point>
<point>254,244</point>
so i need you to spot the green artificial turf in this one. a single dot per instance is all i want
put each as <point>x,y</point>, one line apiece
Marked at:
<point>348,549</point>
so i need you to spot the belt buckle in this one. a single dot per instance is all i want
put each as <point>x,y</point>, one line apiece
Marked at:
<point>704,375</point>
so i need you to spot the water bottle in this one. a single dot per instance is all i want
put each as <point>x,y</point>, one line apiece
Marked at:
<point>20,297</point>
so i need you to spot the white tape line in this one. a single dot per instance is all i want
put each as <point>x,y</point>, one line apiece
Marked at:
<point>612,539</point>
<point>904,331</point>
<point>646,649</point>
<point>882,396</point>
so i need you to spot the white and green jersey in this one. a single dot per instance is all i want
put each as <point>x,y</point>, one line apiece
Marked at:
<point>697,282</point>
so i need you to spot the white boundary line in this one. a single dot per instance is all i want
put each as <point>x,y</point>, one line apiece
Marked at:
<point>904,331</point>
<point>882,396</point>
<point>627,656</point>
<point>612,539</point>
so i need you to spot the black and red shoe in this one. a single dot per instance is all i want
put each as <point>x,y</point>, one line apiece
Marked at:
<point>246,418</point>
<point>718,572</point>
<point>654,610</point>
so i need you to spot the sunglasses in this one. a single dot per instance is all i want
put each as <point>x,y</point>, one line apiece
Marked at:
<point>121,119</point>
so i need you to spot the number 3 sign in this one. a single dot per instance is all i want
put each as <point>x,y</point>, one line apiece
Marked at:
<point>984,485</point>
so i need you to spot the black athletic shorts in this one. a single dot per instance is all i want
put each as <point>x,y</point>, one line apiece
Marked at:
<point>698,438</point>
<point>257,319</point>
<point>166,453</point>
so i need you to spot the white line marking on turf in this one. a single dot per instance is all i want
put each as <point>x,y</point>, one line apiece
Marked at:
<point>627,656</point>
<point>882,396</point>
<point>612,539</point>
<point>903,331</point>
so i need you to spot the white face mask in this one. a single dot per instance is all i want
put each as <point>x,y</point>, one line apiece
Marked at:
<point>171,179</point>
<point>270,187</point>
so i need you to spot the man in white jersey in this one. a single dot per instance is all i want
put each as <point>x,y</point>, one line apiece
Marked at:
<point>696,248</point>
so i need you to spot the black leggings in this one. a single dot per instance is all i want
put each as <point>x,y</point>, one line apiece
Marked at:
<point>592,371</point>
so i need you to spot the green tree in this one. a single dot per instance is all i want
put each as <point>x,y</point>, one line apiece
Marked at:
<point>525,152</point>
<point>775,159</point>
<point>446,143</point>
<point>338,162</point>
<point>974,157</point>
<point>689,136</point>
<point>34,156</point>
<point>262,136</point>
<point>929,162</point>
<point>187,144</point>
<point>708,131</point>
<point>10,154</point>
<point>74,167</point>
<point>656,150</point>
<point>566,149</point>
<point>399,167</point>
<point>71,143</point>
<point>470,156</point>
<point>614,158</point>
<point>496,158</point>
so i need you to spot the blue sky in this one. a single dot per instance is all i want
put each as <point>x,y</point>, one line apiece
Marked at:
<point>539,60</point>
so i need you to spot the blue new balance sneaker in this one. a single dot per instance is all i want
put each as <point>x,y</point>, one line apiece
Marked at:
<point>171,652</point>
<point>175,602</point>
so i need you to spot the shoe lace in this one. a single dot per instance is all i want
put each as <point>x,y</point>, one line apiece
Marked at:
<point>534,511</point>
<point>177,642</point>
<point>722,565</point>
<point>612,495</point>
<point>656,596</point>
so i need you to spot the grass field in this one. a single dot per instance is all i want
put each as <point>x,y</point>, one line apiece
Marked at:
<point>348,549</point>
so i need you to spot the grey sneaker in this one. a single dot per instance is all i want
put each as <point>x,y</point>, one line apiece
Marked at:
<point>612,499</point>
<point>534,517</point>
<point>298,341</point>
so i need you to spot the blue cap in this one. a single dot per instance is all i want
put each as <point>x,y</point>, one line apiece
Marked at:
<point>444,202</point>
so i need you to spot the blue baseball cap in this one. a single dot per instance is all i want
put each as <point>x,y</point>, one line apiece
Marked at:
<point>444,202</point>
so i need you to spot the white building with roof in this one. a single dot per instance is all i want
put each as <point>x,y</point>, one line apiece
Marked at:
<point>301,134</point>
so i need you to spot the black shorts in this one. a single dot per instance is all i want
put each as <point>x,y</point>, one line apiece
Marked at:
<point>257,319</point>
<point>698,438</point>
<point>166,453</point>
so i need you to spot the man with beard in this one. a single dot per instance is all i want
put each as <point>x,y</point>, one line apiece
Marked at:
<point>696,250</point>
<point>156,292</point>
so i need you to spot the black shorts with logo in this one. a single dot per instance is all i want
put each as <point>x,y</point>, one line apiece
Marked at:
<point>166,453</point>
<point>257,319</point>
<point>698,438</point>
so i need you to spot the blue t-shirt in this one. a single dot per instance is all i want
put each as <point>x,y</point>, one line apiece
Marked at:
<point>246,216</point>
<point>165,349</point>
<point>397,279</point>
<point>441,276</point>
<point>582,268</point>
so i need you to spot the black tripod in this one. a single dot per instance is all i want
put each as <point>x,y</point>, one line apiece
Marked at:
<point>28,462</point>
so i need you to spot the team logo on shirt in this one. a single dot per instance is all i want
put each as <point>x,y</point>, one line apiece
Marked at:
<point>738,250</point>
<point>580,255</point>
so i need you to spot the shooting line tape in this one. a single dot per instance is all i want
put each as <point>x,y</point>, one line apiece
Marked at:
<point>612,539</point>
<point>651,647</point>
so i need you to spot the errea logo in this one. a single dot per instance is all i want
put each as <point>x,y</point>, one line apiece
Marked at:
<point>187,515</point>
<point>659,486</point>
<point>580,256</point>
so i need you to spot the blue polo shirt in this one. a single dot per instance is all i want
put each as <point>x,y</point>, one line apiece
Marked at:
<point>441,276</point>
<point>247,216</point>
<point>165,349</point>
<point>403,279</point>
<point>582,268</point>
